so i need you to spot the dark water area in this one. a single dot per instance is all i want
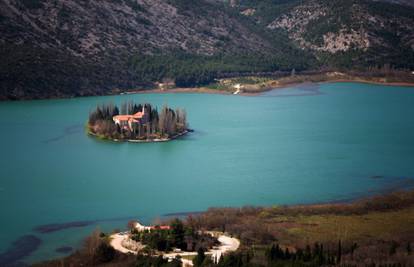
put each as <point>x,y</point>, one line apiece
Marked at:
<point>54,227</point>
<point>64,249</point>
<point>73,129</point>
<point>18,250</point>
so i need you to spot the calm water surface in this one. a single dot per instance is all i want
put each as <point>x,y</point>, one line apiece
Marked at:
<point>297,145</point>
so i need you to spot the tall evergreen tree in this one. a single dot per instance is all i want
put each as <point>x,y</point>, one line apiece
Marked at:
<point>199,259</point>
<point>339,255</point>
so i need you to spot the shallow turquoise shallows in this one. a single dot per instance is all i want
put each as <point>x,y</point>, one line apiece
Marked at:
<point>307,144</point>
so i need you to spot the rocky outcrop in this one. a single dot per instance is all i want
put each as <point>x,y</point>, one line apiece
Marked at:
<point>335,27</point>
<point>93,28</point>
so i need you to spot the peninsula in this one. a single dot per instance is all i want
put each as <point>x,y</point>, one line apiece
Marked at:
<point>176,241</point>
<point>137,123</point>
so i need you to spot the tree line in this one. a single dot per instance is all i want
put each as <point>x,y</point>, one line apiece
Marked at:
<point>189,70</point>
<point>276,256</point>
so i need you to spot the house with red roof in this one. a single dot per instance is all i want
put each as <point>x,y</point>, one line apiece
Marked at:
<point>141,227</point>
<point>126,121</point>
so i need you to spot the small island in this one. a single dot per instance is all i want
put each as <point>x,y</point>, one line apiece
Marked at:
<point>137,123</point>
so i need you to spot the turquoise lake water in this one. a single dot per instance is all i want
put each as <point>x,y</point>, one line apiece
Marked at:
<point>307,144</point>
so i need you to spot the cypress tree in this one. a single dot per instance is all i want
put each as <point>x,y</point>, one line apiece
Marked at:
<point>339,256</point>
<point>315,250</point>
<point>308,254</point>
<point>287,254</point>
<point>271,253</point>
<point>353,248</point>
<point>299,254</point>
<point>277,253</point>
<point>321,256</point>
<point>199,259</point>
<point>393,248</point>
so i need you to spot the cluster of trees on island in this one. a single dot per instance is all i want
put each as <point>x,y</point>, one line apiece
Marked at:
<point>137,122</point>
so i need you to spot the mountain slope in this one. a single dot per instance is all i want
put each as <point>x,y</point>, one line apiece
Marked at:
<point>88,28</point>
<point>92,41</point>
<point>400,2</point>
<point>74,47</point>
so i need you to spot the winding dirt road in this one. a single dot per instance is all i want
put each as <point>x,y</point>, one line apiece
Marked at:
<point>227,244</point>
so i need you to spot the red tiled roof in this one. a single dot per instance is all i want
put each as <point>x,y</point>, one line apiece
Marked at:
<point>138,115</point>
<point>135,116</point>
<point>162,227</point>
<point>121,117</point>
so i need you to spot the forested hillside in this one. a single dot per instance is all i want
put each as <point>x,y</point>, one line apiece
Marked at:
<point>71,48</point>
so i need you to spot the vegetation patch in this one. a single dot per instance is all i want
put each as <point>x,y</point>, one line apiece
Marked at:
<point>178,236</point>
<point>189,70</point>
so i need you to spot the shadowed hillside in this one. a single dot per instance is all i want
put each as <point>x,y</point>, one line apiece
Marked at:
<point>73,48</point>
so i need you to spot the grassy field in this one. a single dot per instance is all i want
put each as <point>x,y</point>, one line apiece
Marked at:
<point>348,228</point>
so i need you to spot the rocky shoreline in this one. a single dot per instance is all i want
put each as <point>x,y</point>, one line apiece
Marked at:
<point>156,140</point>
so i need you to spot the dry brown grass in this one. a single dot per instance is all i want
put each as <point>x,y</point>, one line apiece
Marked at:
<point>386,217</point>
